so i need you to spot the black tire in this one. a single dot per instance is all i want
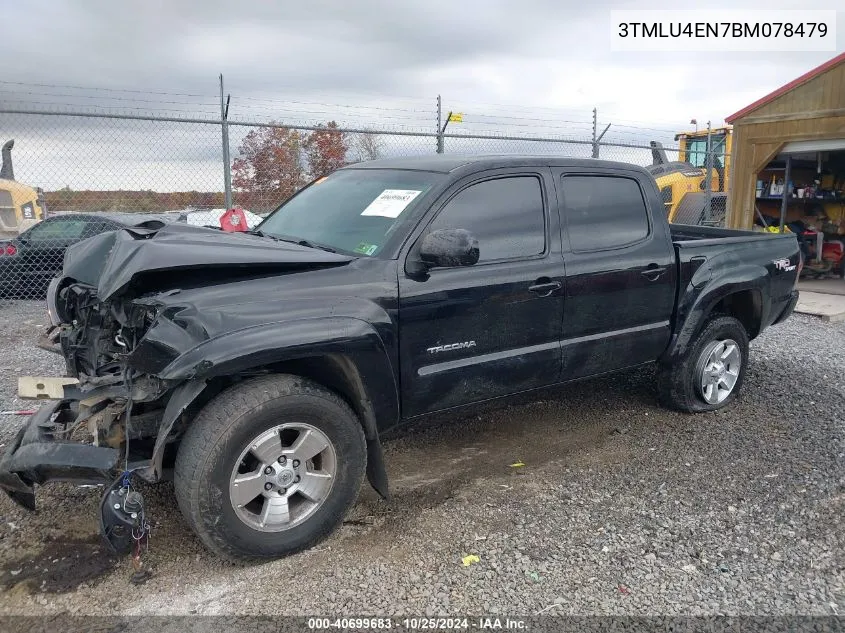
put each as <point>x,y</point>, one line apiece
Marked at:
<point>226,426</point>
<point>678,382</point>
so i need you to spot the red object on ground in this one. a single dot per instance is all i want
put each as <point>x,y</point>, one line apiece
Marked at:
<point>234,221</point>
<point>25,412</point>
<point>833,251</point>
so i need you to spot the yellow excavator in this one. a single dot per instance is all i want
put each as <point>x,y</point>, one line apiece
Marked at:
<point>21,206</point>
<point>682,183</point>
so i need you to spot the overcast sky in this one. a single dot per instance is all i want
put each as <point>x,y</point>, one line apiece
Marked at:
<point>493,59</point>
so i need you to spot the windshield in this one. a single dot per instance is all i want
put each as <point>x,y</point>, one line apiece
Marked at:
<point>697,150</point>
<point>351,210</point>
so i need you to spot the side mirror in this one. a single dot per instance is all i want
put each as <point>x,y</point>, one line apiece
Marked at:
<point>448,248</point>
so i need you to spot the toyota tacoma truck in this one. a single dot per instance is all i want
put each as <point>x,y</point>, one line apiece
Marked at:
<point>259,370</point>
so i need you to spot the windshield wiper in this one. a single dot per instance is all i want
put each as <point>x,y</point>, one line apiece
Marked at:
<point>308,244</point>
<point>294,240</point>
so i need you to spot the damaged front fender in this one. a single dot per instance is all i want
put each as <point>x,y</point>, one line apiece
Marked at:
<point>351,345</point>
<point>180,400</point>
<point>274,343</point>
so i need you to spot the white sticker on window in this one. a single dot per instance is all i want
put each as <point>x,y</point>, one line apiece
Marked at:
<point>391,202</point>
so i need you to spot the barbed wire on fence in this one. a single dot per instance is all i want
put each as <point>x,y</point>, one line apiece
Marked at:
<point>92,160</point>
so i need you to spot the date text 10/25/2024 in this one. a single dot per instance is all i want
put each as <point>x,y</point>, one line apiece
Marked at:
<point>418,624</point>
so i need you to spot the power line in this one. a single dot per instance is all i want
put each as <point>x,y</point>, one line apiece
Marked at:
<point>95,88</point>
<point>331,105</point>
<point>130,99</point>
<point>521,118</point>
<point>319,113</point>
<point>376,95</point>
<point>54,105</point>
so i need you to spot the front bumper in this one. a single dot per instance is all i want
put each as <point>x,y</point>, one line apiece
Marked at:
<point>39,455</point>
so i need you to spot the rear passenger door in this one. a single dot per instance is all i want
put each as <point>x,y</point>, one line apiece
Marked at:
<point>620,271</point>
<point>472,333</point>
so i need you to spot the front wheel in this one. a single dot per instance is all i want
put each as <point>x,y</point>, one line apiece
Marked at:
<point>269,467</point>
<point>710,374</point>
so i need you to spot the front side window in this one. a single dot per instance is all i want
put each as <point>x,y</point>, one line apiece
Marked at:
<point>351,210</point>
<point>603,212</point>
<point>697,150</point>
<point>506,215</point>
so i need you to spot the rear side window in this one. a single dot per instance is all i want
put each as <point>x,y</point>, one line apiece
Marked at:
<point>57,230</point>
<point>506,216</point>
<point>95,227</point>
<point>603,212</point>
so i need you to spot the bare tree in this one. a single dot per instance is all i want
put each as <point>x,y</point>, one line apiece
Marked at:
<point>367,146</point>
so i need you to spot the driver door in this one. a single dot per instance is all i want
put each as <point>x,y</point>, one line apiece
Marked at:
<point>468,334</point>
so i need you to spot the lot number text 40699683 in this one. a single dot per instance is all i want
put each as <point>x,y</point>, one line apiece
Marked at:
<point>418,623</point>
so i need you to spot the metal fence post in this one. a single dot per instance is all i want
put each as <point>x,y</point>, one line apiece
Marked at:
<point>708,177</point>
<point>439,125</point>
<point>597,139</point>
<point>224,127</point>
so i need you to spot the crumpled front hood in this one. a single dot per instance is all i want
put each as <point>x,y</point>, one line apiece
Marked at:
<point>111,261</point>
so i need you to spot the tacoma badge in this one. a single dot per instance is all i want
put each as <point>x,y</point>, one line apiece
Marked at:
<point>450,347</point>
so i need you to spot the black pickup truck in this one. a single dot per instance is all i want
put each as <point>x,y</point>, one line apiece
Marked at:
<point>260,369</point>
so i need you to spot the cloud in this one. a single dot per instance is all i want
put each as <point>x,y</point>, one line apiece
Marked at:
<point>533,67</point>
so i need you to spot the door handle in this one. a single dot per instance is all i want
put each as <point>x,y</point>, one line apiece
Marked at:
<point>544,288</point>
<point>653,272</point>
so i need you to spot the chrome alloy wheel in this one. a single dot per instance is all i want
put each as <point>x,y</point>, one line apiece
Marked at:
<point>282,477</point>
<point>719,367</point>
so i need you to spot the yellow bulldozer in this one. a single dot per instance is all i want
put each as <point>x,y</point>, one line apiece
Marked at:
<point>683,183</point>
<point>21,206</point>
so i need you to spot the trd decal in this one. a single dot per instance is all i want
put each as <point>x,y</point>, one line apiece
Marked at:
<point>784,265</point>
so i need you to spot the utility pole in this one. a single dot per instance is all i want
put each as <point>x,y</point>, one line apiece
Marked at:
<point>787,175</point>
<point>597,139</point>
<point>224,126</point>
<point>439,125</point>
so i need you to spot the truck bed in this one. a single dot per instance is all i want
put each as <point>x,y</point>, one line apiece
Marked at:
<point>690,233</point>
<point>728,248</point>
<point>736,258</point>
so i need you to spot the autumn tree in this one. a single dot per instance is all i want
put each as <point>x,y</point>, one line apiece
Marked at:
<point>367,146</point>
<point>270,162</point>
<point>325,149</point>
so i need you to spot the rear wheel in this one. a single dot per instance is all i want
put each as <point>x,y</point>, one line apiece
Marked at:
<point>269,467</point>
<point>710,374</point>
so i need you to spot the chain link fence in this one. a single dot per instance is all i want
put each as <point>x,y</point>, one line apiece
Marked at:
<point>69,175</point>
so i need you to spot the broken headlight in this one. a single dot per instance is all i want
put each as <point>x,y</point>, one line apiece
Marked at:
<point>52,302</point>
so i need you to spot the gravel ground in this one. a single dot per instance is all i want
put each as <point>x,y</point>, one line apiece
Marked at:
<point>621,508</point>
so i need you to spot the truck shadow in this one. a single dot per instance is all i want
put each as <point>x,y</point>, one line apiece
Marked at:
<point>431,461</point>
<point>58,567</point>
